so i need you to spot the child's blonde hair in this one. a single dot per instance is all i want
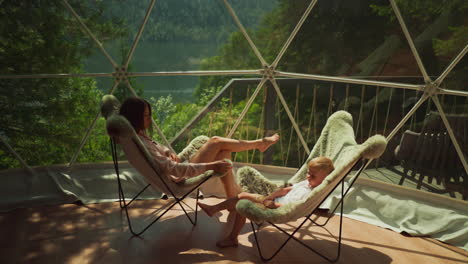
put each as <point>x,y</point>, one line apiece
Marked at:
<point>321,163</point>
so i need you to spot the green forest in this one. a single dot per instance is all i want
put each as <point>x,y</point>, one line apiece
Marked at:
<point>45,119</point>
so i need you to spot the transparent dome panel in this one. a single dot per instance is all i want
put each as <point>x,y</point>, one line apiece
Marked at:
<point>456,178</point>
<point>185,35</point>
<point>252,15</point>
<point>45,38</point>
<point>454,104</point>
<point>7,154</point>
<point>114,24</point>
<point>258,17</point>
<point>349,39</point>
<point>456,79</point>
<point>438,29</point>
<point>172,108</point>
<point>47,117</point>
<point>180,88</point>
<point>378,110</point>
<point>299,97</point>
<point>95,143</point>
<point>214,113</point>
<point>421,154</point>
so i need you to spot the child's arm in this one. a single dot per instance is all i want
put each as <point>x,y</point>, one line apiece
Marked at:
<point>278,193</point>
<point>270,199</point>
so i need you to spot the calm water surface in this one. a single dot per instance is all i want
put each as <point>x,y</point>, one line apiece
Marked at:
<point>152,57</point>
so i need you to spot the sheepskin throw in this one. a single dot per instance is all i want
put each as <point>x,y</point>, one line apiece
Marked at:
<point>335,142</point>
<point>139,157</point>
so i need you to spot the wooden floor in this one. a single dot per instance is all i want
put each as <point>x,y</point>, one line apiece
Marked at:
<point>98,233</point>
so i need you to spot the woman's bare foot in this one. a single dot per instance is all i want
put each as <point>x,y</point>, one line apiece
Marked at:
<point>268,141</point>
<point>227,242</point>
<point>206,208</point>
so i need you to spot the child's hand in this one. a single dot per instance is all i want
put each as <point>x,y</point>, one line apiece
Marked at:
<point>270,204</point>
<point>174,157</point>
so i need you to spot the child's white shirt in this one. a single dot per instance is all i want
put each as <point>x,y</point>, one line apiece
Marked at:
<point>299,191</point>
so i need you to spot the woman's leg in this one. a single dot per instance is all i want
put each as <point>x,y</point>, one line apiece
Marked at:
<point>218,148</point>
<point>211,149</point>
<point>230,185</point>
<point>231,188</point>
<point>231,240</point>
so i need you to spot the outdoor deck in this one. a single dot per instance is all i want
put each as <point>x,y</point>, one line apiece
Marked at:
<point>393,175</point>
<point>98,233</point>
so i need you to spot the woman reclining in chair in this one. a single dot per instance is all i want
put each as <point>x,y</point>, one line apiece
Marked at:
<point>318,169</point>
<point>209,157</point>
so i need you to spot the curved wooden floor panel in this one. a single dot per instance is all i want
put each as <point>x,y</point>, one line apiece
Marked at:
<point>98,233</point>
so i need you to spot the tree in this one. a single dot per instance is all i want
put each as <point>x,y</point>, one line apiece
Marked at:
<point>44,119</point>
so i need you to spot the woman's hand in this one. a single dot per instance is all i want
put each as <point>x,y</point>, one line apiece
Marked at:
<point>171,155</point>
<point>220,166</point>
<point>174,157</point>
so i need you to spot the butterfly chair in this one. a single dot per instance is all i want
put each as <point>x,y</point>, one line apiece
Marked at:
<point>336,142</point>
<point>121,132</point>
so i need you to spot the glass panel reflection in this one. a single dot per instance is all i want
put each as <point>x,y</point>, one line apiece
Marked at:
<point>344,38</point>
<point>457,77</point>
<point>43,37</point>
<point>184,35</point>
<point>438,29</point>
<point>46,118</point>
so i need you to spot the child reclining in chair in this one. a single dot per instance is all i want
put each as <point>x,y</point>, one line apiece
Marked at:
<point>209,157</point>
<point>318,169</point>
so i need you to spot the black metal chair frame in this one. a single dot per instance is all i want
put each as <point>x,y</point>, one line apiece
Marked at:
<point>177,200</point>
<point>291,235</point>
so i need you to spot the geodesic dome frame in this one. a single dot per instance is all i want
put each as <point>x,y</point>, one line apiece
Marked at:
<point>269,73</point>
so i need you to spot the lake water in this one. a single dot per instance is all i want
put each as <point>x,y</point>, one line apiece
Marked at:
<point>153,57</point>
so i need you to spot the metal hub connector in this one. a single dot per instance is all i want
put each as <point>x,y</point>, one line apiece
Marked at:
<point>269,72</point>
<point>431,88</point>
<point>120,73</point>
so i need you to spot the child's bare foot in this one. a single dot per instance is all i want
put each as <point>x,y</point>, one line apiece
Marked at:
<point>227,242</point>
<point>206,208</point>
<point>268,141</point>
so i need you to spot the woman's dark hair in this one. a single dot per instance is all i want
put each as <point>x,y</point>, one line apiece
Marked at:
<point>133,108</point>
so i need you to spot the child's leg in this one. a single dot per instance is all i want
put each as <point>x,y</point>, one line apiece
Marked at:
<point>231,240</point>
<point>228,204</point>
<point>256,198</point>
